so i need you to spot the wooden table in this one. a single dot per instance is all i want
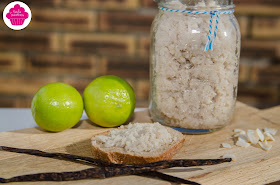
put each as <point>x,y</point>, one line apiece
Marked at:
<point>253,165</point>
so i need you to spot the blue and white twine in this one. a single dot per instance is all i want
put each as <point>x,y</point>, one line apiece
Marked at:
<point>210,40</point>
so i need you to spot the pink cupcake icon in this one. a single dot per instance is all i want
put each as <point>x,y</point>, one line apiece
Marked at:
<point>17,15</point>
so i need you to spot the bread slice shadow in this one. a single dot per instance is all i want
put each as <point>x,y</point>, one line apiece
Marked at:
<point>81,148</point>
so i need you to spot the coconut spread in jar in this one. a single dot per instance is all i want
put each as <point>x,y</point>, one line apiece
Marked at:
<point>190,87</point>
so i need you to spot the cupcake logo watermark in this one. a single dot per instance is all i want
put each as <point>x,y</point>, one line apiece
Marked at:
<point>17,15</point>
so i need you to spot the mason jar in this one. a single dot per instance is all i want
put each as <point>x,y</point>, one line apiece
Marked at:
<point>194,61</point>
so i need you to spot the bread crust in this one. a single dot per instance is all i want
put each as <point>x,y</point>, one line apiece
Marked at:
<point>123,158</point>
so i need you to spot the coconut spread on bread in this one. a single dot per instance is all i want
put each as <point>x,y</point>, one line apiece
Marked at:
<point>137,143</point>
<point>138,137</point>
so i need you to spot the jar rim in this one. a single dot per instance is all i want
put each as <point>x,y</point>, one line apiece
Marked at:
<point>195,7</point>
<point>231,7</point>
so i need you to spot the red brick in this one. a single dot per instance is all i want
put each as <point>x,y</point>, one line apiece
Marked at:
<point>266,27</point>
<point>142,89</point>
<point>260,48</point>
<point>144,46</point>
<point>29,41</point>
<point>79,83</point>
<point>21,85</point>
<point>131,82</point>
<point>53,19</point>
<point>259,2</point>
<point>142,103</point>
<point>149,4</point>
<point>244,72</point>
<point>24,102</point>
<point>63,64</point>
<point>257,10</point>
<point>100,43</point>
<point>268,75</point>
<point>125,22</point>
<point>259,95</point>
<point>11,61</point>
<point>254,73</point>
<point>244,25</point>
<point>249,68</point>
<point>104,4</point>
<point>8,101</point>
<point>127,67</point>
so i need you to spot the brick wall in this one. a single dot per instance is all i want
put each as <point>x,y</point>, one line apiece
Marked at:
<point>74,41</point>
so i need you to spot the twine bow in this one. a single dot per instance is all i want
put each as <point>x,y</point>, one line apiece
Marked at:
<point>210,41</point>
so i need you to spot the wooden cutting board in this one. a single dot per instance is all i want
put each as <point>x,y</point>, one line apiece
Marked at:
<point>253,165</point>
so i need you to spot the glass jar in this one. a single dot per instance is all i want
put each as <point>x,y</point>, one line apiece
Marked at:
<point>194,61</point>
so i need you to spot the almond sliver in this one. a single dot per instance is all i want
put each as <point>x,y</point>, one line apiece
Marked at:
<point>252,137</point>
<point>241,142</point>
<point>268,136</point>
<point>272,131</point>
<point>264,145</point>
<point>260,134</point>
<point>239,131</point>
<point>225,145</point>
<point>239,134</point>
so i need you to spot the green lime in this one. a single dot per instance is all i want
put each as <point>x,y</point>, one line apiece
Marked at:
<point>109,101</point>
<point>57,106</point>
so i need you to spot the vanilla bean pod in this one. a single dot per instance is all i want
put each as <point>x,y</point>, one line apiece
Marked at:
<point>63,176</point>
<point>169,178</point>
<point>40,153</point>
<point>92,160</point>
<point>104,172</point>
<point>84,174</point>
<point>161,164</point>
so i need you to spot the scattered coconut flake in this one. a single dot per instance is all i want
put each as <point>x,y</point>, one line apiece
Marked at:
<point>272,131</point>
<point>225,145</point>
<point>260,134</point>
<point>250,131</point>
<point>239,131</point>
<point>240,134</point>
<point>252,137</point>
<point>245,139</point>
<point>241,142</point>
<point>268,136</point>
<point>237,135</point>
<point>232,156</point>
<point>265,145</point>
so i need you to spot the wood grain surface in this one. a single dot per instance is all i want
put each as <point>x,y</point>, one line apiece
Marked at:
<point>252,166</point>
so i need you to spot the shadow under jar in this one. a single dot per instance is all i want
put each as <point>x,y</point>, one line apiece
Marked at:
<point>194,61</point>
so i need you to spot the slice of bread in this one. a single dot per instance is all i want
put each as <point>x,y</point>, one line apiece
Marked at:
<point>137,143</point>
